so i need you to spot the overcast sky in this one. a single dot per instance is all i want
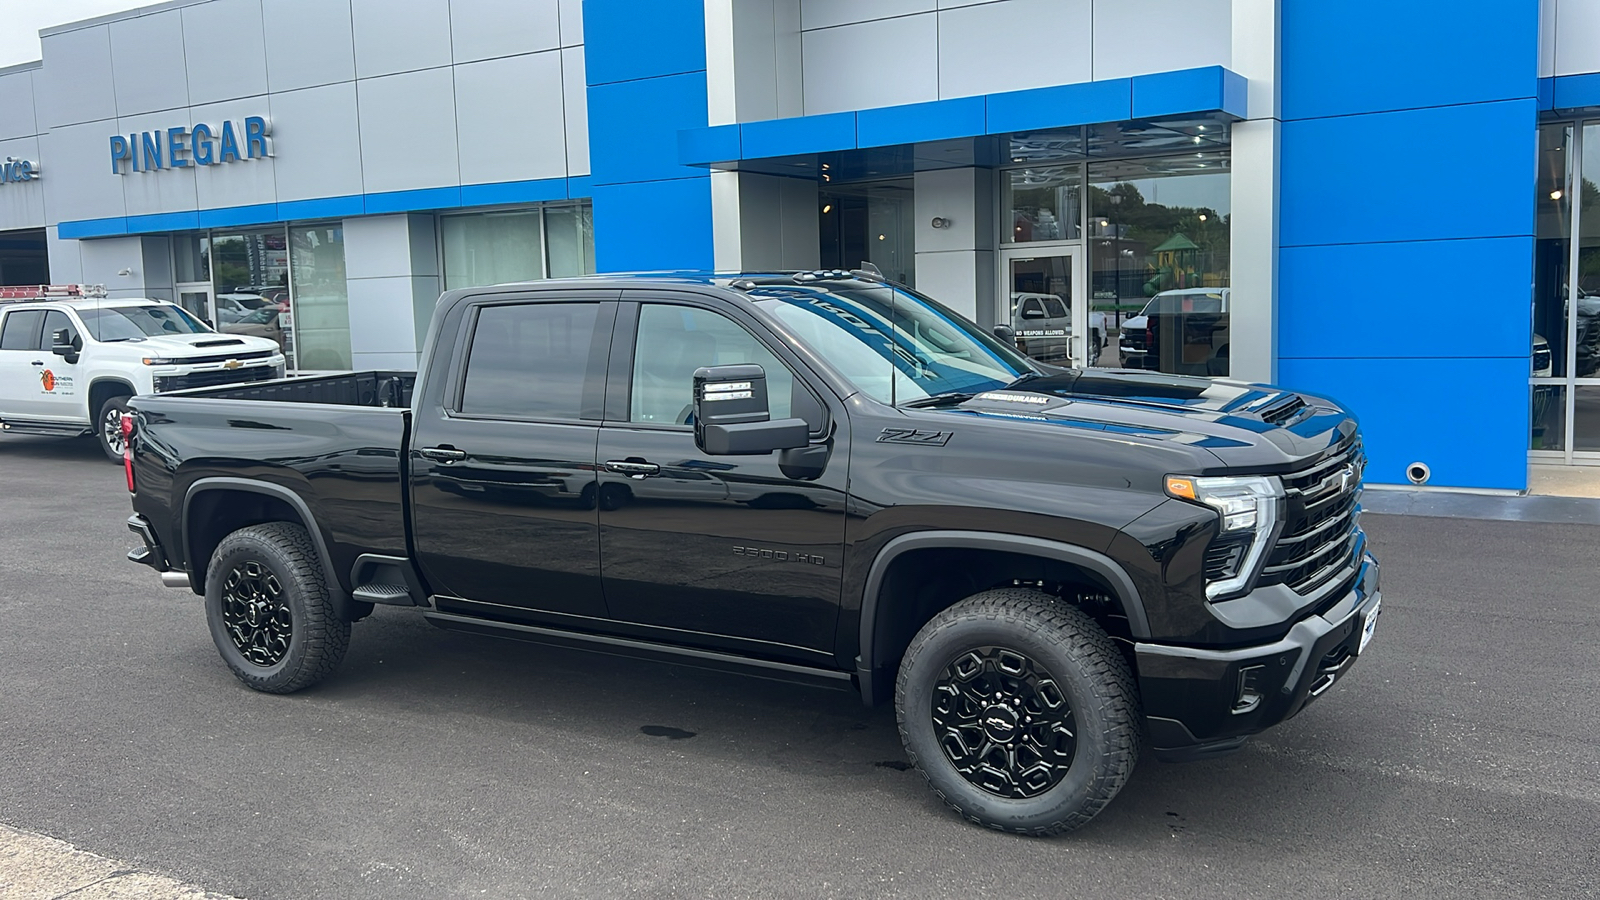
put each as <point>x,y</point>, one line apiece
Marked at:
<point>19,38</point>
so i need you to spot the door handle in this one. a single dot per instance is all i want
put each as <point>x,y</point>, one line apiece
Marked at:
<point>443,454</point>
<point>38,362</point>
<point>633,468</point>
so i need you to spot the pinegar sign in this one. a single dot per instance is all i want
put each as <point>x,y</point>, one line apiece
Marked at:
<point>196,145</point>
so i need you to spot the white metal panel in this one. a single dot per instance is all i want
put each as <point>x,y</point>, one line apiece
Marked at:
<point>75,82</point>
<point>78,160</point>
<point>486,29</point>
<point>1577,37</point>
<point>1254,216</point>
<point>788,62</point>
<point>318,132</point>
<point>104,258</point>
<point>377,247</point>
<point>1547,38</point>
<point>147,63</point>
<point>956,278</point>
<point>953,4</point>
<point>989,48</point>
<point>828,13</point>
<point>224,50</point>
<point>157,190</point>
<point>571,23</point>
<point>382,315</point>
<point>243,183</point>
<point>21,203</point>
<point>882,63</point>
<point>17,111</point>
<point>309,43</point>
<point>1138,37</point>
<point>575,102</point>
<point>501,144</point>
<point>66,263</point>
<point>408,131</point>
<point>390,40</point>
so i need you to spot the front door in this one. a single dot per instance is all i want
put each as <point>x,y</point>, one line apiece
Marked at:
<point>503,485</point>
<point>728,551</point>
<point>1042,300</point>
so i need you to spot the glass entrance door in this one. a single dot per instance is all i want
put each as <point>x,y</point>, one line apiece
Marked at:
<point>1042,301</point>
<point>196,300</point>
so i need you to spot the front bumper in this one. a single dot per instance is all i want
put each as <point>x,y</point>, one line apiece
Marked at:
<point>1200,703</point>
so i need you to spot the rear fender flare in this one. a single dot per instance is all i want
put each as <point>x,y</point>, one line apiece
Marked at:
<point>277,491</point>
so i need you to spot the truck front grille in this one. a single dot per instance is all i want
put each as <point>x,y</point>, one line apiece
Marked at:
<point>1322,532</point>
<point>214,378</point>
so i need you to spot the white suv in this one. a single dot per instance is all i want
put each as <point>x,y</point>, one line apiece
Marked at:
<point>69,360</point>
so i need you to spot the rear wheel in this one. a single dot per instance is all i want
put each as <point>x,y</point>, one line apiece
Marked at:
<point>269,609</point>
<point>1019,711</point>
<point>108,427</point>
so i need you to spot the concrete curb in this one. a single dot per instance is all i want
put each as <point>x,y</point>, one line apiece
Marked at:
<point>1462,505</point>
<point>35,867</point>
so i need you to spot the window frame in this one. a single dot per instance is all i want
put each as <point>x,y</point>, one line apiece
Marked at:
<point>592,398</point>
<point>625,338</point>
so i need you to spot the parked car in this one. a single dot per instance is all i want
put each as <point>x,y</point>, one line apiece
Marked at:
<point>70,359</point>
<point>1047,571</point>
<point>1042,324</point>
<point>266,322</point>
<point>1181,332</point>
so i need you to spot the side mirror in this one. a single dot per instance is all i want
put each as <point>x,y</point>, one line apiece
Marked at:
<point>62,346</point>
<point>1006,333</point>
<point>732,418</point>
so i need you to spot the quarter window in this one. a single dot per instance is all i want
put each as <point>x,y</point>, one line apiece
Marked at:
<point>530,361</point>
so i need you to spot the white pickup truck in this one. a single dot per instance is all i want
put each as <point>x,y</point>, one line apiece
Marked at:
<point>70,358</point>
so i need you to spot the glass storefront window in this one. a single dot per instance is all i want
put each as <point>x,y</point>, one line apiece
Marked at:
<point>1552,249</point>
<point>250,282</point>
<point>1158,241</point>
<point>191,257</point>
<point>1042,203</point>
<point>320,311</point>
<point>569,240</point>
<point>871,221</point>
<point>1586,306</point>
<point>492,248</point>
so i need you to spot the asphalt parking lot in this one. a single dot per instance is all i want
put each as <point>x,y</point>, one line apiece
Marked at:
<point>1459,758</point>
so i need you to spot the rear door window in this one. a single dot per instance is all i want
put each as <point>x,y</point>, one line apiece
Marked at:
<point>20,331</point>
<point>532,361</point>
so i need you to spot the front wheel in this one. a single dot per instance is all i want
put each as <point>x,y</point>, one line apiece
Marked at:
<point>269,609</point>
<point>1019,711</point>
<point>108,427</point>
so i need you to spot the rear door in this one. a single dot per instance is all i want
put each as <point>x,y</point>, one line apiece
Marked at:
<point>22,366</point>
<point>729,551</point>
<point>503,486</point>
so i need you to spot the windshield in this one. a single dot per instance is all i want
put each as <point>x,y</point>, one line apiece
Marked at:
<point>123,323</point>
<point>895,345</point>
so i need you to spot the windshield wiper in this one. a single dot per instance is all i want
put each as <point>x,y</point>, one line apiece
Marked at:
<point>939,399</point>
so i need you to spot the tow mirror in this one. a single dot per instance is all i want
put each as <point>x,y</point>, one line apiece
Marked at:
<point>1006,333</point>
<point>732,417</point>
<point>62,346</point>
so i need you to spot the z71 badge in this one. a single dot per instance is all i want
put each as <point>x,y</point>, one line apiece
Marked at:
<point>915,436</point>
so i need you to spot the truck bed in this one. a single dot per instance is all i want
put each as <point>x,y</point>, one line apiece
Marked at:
<point>375,389</point>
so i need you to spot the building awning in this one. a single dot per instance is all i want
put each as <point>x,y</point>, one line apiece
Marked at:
<point>967,128</point>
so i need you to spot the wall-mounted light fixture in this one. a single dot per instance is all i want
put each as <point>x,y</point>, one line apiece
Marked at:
<point>940,222</point>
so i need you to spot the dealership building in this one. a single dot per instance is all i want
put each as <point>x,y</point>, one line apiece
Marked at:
<point>1392,204</point>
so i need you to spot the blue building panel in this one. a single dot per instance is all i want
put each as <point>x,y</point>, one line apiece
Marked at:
<point>158,223</point>
<point>227,216</point>
<point>1467,419</point>
<point>699,146</point>
<point>935,120</point>
<point>1207,89</point>
<point>514,192</point>
<point>1575,91</point>
<point>1362,56</point>
<point>322,208</point>
<point>413,201</point>
<point>802,134</point>
<point>1063,106</point>
<point>1426,174</point>
<point>1418,299</point>
<point>654,225</point>
<point>625,40</point>
<point>634,126</point>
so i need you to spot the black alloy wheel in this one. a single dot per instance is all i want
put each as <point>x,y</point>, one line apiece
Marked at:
<point>256,613</point>
<point>1004,723</point>
<point>269,609</point>
<point>1019,711</point>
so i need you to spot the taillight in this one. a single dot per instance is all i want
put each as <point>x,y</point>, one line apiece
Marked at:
<point>127,448</point>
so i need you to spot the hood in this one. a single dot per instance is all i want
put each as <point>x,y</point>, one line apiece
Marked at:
<point>183,346</point>
<point>1242,425</point>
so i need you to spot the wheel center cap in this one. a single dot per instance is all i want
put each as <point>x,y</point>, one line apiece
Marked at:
<point>999,723</point>
<point>254,613</point>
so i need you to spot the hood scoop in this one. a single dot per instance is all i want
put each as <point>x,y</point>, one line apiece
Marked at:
<point>230,342</point>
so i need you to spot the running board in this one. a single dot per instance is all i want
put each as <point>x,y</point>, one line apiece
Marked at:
<point>636,649</point>
<point>52,429</point>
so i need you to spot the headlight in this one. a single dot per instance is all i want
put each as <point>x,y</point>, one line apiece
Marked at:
<point>159,361</point>
<point>1250,513</point>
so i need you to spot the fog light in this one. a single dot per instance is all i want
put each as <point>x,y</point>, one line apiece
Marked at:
<point>1249,696</point>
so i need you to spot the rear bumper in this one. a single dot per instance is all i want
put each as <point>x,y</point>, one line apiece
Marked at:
<point>151,553</point>
<point>1201,703</point>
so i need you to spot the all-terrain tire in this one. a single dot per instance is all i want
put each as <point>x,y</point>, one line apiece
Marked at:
<point>1074,654</point>
<point>295,638</point>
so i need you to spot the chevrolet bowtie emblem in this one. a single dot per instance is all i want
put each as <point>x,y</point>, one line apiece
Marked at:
<point>232,364</point>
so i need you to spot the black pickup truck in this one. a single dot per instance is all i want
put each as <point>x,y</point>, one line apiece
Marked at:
<point>817,476</point>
